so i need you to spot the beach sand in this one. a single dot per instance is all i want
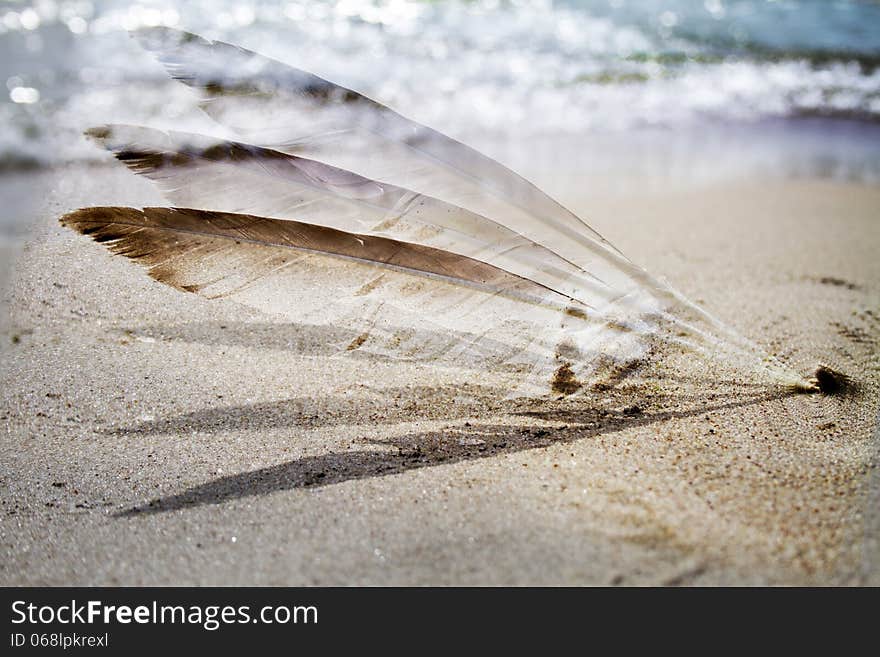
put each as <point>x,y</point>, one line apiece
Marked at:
<point>155,438</point>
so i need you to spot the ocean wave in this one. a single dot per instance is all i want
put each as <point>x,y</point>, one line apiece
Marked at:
<point>523,67</point>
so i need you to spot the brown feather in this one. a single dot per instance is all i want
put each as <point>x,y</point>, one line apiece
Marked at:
<point>192,249</point>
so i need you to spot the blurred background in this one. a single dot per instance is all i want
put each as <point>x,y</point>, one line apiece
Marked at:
<point>629,95</point>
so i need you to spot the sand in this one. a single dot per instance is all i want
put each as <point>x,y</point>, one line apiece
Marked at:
<point>155,438</point>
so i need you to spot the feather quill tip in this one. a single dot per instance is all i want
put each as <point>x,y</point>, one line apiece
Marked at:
<point>826,381</point>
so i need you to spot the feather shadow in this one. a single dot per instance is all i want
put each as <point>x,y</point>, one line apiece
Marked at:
<point>427,449</point>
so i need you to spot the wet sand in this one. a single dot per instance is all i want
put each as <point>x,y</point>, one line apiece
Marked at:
<point>152,437</point>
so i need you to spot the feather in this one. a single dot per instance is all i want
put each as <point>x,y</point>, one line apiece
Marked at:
<point>204,172</point>
<point>347,213</point>
<point>398,299</point>
<point>294,111</point>
<point>215,174</point>
<point>160,236</point>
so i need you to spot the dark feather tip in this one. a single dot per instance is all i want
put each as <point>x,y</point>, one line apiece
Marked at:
<point>832,382</point>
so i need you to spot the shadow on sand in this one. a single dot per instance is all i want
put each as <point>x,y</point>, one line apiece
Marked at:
<point>416,450</point>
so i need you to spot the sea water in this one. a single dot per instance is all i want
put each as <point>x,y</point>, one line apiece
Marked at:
<point>687,89</point>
